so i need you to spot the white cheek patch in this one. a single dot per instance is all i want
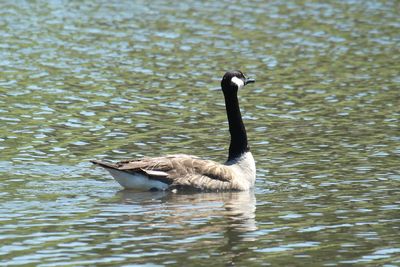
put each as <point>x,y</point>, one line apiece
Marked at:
<point>238,82</point>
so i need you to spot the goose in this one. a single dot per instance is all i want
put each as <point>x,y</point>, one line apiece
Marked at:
<point>181,171</point>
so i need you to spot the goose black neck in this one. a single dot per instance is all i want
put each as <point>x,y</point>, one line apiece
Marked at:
<point>238,144</point>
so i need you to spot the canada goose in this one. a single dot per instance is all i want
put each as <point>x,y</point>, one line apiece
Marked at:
<point>190,172</point>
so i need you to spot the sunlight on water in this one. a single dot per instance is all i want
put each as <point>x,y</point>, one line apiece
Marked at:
<point>87,80</point>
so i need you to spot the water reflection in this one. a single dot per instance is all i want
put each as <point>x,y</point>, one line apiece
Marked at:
<point>237,208</point>
<point>226,215</point>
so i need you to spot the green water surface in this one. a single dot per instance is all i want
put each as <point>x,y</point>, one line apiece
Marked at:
<point>83,80</point>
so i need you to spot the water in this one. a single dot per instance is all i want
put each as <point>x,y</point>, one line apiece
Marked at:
<point>86,80</point>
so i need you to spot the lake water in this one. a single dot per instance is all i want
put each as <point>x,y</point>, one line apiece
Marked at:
<point>113,80</point>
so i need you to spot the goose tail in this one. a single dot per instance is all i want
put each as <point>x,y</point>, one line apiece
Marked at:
<point>136,180</point>
<point>104,164</point>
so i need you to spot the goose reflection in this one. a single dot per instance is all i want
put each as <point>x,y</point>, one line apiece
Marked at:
<point>223,223</point>
<point>236,208</point>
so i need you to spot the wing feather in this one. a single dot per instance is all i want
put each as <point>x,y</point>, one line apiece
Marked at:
<point>180,171</point>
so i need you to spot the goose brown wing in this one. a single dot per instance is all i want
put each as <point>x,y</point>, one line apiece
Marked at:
<point>182,170</point>
<point>208,168</point>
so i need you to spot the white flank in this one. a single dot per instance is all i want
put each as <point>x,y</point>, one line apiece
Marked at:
<point>245,169</point>
<point>136,181</point>
<point>238,82</point>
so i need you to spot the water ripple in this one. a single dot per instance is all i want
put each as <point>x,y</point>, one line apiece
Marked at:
<point>126,79</point>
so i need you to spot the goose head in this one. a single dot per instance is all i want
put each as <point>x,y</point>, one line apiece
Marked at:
<point>234,80</point>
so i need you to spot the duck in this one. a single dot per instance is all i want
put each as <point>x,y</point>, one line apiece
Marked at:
<point>182,171</point>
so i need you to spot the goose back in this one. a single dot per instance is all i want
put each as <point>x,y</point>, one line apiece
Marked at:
<point>183,171</point>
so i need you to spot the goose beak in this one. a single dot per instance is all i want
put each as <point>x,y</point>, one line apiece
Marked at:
<point>247,81</point>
